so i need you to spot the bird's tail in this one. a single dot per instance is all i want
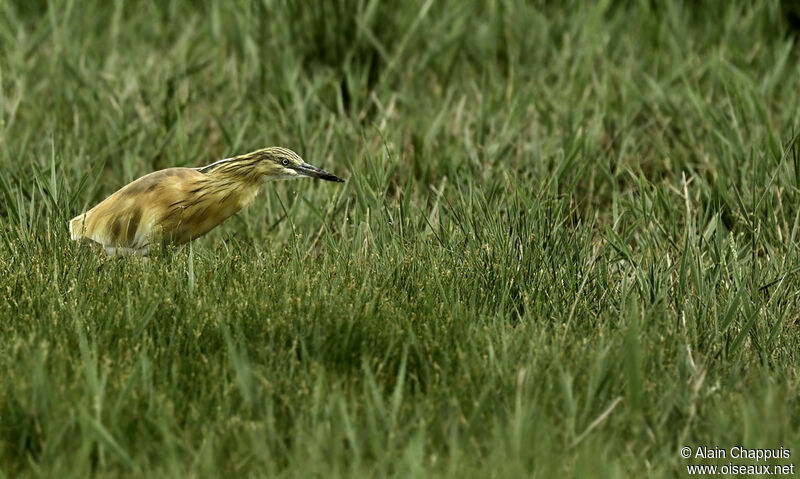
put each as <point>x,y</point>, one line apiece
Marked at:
<point>77,227</point>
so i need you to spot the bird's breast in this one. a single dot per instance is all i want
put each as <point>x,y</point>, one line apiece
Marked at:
<point>203,210</point>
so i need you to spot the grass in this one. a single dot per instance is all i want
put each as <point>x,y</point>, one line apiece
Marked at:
<point>567,243</point>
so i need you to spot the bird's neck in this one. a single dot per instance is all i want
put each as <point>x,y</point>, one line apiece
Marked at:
<point>227,189</point>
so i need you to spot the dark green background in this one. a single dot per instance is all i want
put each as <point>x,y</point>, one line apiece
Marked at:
<point>567,242</point>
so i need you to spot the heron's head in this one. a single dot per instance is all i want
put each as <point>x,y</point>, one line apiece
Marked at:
<point>276,163</point>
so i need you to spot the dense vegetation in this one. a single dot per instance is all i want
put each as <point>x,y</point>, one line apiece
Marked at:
<point>567,242</point>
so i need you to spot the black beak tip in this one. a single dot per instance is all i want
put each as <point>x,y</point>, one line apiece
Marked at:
<point>330,177</point>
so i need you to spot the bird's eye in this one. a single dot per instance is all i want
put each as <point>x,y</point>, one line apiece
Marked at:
<point>285,162</point>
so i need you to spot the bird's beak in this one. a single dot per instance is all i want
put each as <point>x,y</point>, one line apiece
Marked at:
<point>314,172</point>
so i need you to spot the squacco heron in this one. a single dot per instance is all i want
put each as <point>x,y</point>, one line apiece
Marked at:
<point>177,205</point>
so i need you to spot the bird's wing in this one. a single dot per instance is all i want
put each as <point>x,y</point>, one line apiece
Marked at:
<point>136,213</point>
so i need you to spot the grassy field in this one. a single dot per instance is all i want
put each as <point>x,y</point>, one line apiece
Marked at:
<point>567,243</point>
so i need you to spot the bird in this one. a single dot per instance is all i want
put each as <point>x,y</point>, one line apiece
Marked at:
<point>176,205</point>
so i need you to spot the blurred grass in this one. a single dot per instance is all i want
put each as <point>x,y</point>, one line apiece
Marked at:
<point>567,243</point>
